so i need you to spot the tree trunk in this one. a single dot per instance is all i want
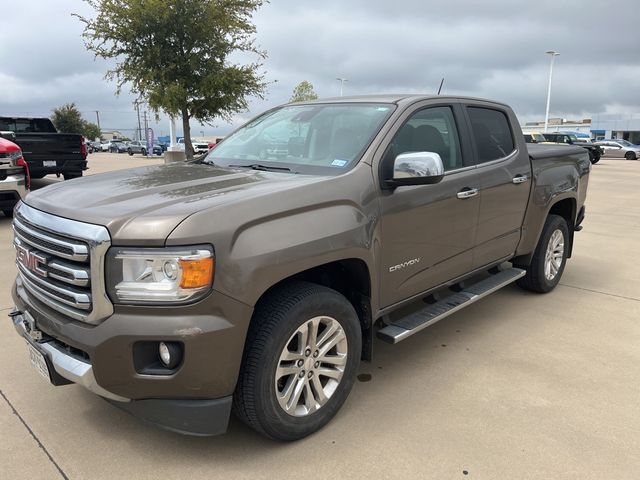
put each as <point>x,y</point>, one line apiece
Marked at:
<point>186,129</point>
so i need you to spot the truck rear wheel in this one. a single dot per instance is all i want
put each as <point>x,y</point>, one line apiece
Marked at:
<point>549,257</point>
<point>300,361</point>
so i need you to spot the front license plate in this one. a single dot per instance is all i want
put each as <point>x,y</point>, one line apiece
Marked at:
<point>38,362</point>
<point>49,163</point>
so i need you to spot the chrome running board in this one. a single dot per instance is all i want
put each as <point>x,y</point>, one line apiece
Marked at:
<point>404,327</point>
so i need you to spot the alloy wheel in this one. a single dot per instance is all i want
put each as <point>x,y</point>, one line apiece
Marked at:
<point>554,255</point>
<point>311,366</point>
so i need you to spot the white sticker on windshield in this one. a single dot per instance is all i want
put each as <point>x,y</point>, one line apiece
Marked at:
<point>339,163</point>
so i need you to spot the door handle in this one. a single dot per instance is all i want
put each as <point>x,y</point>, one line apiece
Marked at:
<point>520,179</point>
<point>467,193</point>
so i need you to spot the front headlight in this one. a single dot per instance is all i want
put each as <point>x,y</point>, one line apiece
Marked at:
<point>159,275</point>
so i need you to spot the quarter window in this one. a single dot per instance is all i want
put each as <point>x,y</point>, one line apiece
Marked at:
<point>492,133</point>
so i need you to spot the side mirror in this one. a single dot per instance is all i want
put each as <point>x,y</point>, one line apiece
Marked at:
<point>416,168</point>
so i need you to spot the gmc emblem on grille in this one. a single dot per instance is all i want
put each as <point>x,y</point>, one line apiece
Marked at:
<point>32,261</point>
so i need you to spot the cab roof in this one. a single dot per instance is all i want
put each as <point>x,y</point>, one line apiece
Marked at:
<point>396,98</point>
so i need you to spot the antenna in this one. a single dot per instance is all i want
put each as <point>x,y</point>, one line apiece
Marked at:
<point>441,83</point>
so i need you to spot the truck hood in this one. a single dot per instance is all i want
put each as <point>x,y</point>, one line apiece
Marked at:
<point>142,206</point>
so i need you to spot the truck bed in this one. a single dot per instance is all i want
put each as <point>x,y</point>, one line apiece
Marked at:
<point>540,151</point>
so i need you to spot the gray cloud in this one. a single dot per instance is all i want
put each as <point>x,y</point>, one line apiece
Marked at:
<point>487,48</point>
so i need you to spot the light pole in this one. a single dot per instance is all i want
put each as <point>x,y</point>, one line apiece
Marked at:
<point>342,82</point>
<point>553,54</point>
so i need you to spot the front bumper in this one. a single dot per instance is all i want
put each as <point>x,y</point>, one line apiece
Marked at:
<point>64,367</point>
<point>190,417</point>
<point>12,189</point>
<point>195,399</point>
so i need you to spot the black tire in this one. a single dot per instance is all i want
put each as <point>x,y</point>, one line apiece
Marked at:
<point>129,152</point>
<point>144,152</point>
<point>8,213</point>
<point>277,317</point>
<point>630,156</point>
<point>535,279</point>
<point>71,176</point>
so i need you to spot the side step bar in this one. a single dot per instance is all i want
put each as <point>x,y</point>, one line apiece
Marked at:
<point>413,323</point>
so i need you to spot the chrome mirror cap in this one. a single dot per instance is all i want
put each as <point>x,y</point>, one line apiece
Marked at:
<point>417,168</point>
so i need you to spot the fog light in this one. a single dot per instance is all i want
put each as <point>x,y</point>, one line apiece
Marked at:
<point>170,354</point>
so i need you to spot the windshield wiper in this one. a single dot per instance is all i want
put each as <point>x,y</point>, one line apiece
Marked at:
<point>264,168</point>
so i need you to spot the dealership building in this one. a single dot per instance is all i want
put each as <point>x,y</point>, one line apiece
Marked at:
<point>605,125</point>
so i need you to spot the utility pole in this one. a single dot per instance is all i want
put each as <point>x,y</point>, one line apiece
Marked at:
<point>98,118</point>
<point>146,124</point>
<point>137,104</point>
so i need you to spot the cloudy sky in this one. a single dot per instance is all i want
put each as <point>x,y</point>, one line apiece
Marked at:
<point>487,48</point>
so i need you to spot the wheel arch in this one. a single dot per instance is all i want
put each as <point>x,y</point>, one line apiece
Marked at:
<point>350,277</point>
<point>564,206</point>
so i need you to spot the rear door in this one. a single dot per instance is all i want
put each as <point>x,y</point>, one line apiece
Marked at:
<point>428,231</point>
<point>504,175</point>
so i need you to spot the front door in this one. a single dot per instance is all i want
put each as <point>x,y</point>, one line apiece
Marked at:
<point>428,232</point>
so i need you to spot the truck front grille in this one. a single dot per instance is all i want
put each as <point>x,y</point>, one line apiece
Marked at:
<point>61,263</point>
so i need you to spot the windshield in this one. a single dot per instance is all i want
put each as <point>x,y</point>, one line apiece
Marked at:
<point>315,139</point>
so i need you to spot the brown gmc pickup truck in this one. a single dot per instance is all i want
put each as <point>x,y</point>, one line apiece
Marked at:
<point>255,280</point>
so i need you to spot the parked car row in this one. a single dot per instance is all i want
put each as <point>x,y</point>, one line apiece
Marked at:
<point>608,147</point>
<point>569,138</point>
<point>122,146</point>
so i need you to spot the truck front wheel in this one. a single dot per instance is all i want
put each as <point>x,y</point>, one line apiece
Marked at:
<point>549,257</point>
<point>300,361</point>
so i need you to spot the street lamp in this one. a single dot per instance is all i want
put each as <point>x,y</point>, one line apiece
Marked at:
<point>553,54</point>
<point>342,82</point>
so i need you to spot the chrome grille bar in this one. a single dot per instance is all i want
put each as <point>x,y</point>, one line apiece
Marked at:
<point>78,300</point>
<point>50,244</point>
<point>61,263</point>
<point>68,273</point>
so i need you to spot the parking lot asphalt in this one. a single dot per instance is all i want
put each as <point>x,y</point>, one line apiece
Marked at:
<point>518,385</point>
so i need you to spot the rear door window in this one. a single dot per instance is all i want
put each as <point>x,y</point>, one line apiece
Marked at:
<point>492,133</point>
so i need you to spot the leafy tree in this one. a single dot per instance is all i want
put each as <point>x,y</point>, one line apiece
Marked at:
<point>91,131</point>
<point>303,92</point>
<point>68,119</point>
<point>175,54</point>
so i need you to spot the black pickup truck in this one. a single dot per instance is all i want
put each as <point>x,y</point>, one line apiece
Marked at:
<point>45,150</point>
<point>595,152</point>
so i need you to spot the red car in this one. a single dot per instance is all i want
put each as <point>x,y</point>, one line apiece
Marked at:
<point>14,176</point>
